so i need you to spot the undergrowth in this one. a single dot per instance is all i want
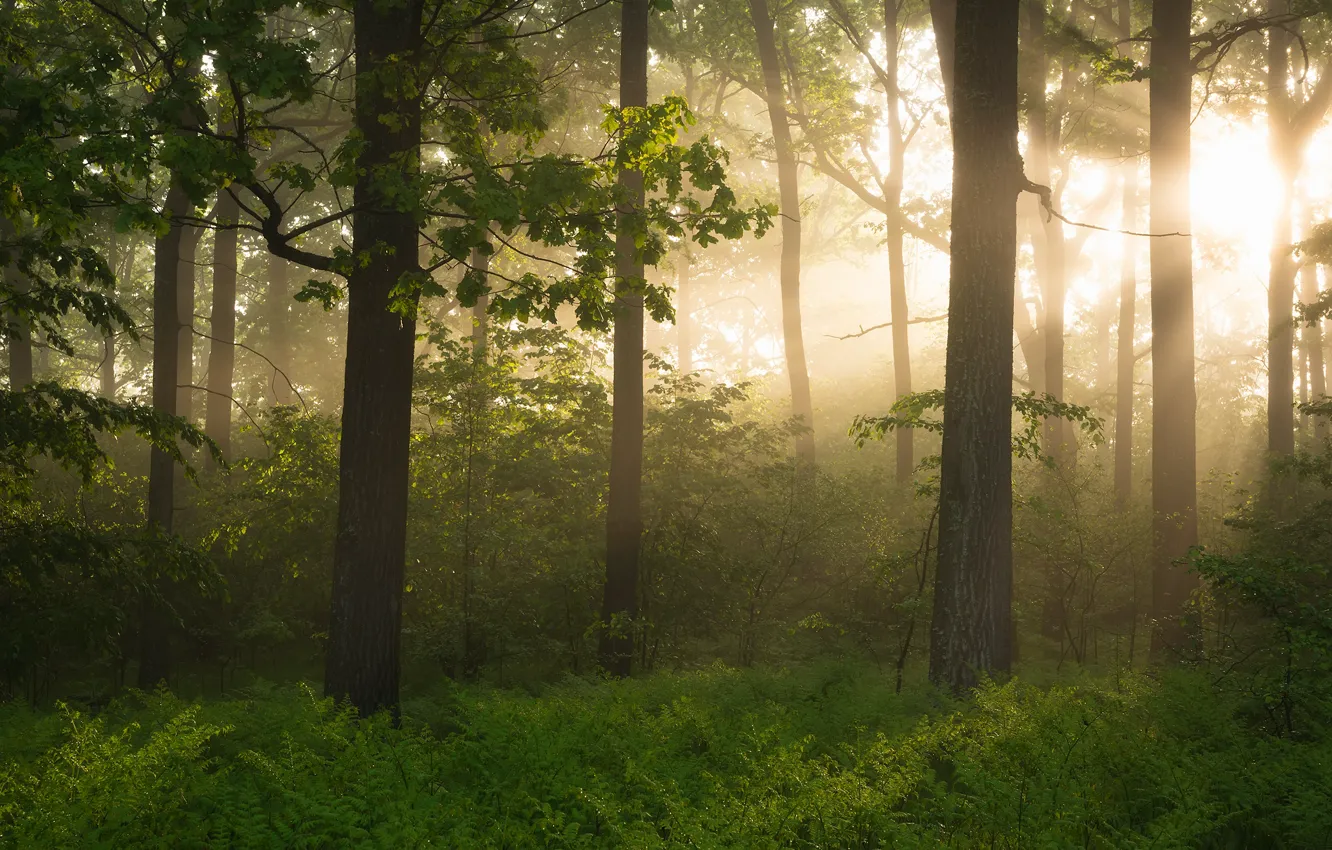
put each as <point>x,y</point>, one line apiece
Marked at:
<point>820,757</point>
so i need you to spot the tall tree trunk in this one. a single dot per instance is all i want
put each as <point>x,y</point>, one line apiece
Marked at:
<point>1312,338</point>
<point>154,625</point>
<point>185,281</point>
<point>684,314</point>
<point>277,303</point>
<point>363,664</point>
<point>1124,358</point>
<point>943,19</point>
<point>897,293</point>
<point>222,325</point>
<point>624,509</point>
<point>1281,278</point>
<point>797,368</point>
<point>20,331</point>
<point>1174,403</point>
<point>480,310</point>
<point>972,628</point>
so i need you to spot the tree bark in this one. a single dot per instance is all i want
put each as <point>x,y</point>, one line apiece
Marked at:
<point>624,509</point>
<point>899,312</point>
<point>1174,402</point>
<point>363,662</point>
<point>797,368</point>
<point>1124,358</point>
<point>972,629</point>
<point>1312,338</point>
<point>1281,276</point>
<point>684,315</point>
<point>222,325</point>
<point>943,19</point>
<point>185,281</point>
<point>154,626</point>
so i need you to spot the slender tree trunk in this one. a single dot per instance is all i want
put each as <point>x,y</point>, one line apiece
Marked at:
<point>897,293</point>
<point>1312,337</point>
<point>222,325</point>
<point>1174,403</point>
<point>20,332</point>
<point>624,509</point>
<point>480,310</point>
<point>797,368</point>
<point>972,629</point>
<point>363,664</point>
<point>1281,279</point>
<point>278,306</point>
<point>684,315</point>
<point>1030,342</point>
<point>154,626</point>
<point>1128,296</point>
<point>106,370</point>
<point>189,247</point>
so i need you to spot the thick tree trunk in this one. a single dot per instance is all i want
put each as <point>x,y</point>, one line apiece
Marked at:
<point>1174,403</point>
<point>277,303</point>
<point>365,624</point>
<point>222,325</point>
<point>624,509</point>
<point>1124,359</point>
<point>972,629</point>
<point>1281,278</point>
<point>797,368</point>
<point>154,626</point>
<point>897,293</point>
<point>943,19</point>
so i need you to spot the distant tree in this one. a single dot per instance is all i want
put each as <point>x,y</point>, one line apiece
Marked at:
<point>970,634</point>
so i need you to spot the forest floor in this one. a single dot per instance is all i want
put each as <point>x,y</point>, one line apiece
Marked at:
<point>818,756</point>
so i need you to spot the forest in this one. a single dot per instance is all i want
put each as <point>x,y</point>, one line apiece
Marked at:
<point>665,423</point>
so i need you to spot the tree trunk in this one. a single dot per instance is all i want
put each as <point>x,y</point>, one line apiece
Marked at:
<point>897,293</point>
<point>624,509</point>
<point>154,626</point>
<point>797,368</point>
<point>189,247</point>
<point>684,315</point>
<point>480,310</point>
<point>222,325</point>
<point>1281,278</point>
<point>1124,359</point>
<point>365,624</point>
<point>1312,337</point>
<point>972,629</point>
<point>278,306</point>
<point>1174,403</point>
<point>943,18</point>
<point>20,331</point>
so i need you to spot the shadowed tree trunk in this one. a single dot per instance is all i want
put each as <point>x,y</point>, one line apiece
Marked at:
<point>20,334</point>
<point>185,281</point>
<point>222,326</point>
<point>154,626</point>
<point>972,629</point>
<point>365,624</point>
<point>624,509</point>
<point>278,306</point>
<point>1281,276</point>
<point>943,18</point>
<point>797,368</point>
<point>1174,403</point>
<point>1124,358</point>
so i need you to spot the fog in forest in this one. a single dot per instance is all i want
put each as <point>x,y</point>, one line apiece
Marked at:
<point>653,423</point>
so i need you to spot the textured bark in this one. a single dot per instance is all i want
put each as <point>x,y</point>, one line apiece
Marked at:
<point>1282,271</point>
<point>788,184</point>
<point>624,509</point>
<point>222,326</point>
<point>897,293</point>
<point>363,662</point>
<point>972,629</point>
<point>154,627</point>
<point>1124,358</point>
<point>1174,402</point>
